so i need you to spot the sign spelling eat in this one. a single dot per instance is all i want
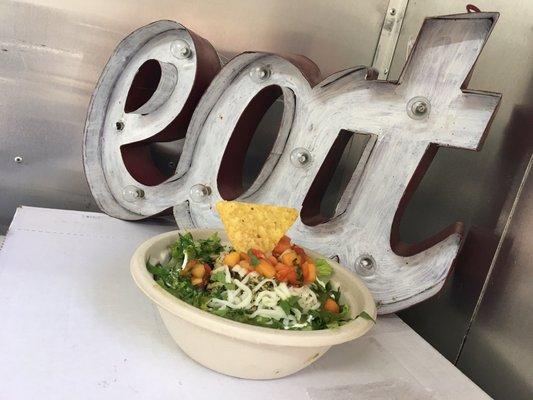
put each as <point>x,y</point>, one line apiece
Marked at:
<point>217,110</point>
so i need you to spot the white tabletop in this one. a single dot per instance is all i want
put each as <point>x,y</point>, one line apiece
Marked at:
<point>74,326</point>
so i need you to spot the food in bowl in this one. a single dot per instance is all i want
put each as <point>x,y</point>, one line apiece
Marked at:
<point>227,345</point>
<point>282,289</point>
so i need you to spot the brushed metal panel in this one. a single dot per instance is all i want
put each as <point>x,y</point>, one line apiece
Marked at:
<point>444,319</point>
<point>498,353</point>
<point>52,53</point>
<point>480,188</point>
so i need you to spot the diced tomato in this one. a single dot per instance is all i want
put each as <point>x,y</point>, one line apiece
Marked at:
<point>272,260</point>
<point>207,274</point>
<point>207,269</point>
<point>298,250</point>
<point>286,273</point>
<point>280,266</point>
<point>283,244</point>
<point>290,258</point>
<point>258,253</point>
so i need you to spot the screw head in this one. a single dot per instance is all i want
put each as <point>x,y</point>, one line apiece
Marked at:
<point>199,193</point>
<point>119,125</point>
<point>132,193</point>
<point>18,159</point>
<point>418,107</point>
<point>392,11</point>
<point>365,265</point>
<point>260,73</point>
<point>181,49</point>
<point>300,157</point>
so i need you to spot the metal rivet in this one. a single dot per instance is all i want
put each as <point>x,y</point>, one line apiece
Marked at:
<point>392,11</point>
<point>132,193</point>
<point>300,157</point>
<point>199,193</point>
<point>365,265</point>
<point>18,159</point>
<point>418,107</point>
<point>180,49</point>
<point>260,73</point>
<point>386,71</point>
<point>120,125</point>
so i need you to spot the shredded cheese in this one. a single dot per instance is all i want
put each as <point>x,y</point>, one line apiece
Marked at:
<point>262,297</point>
<point>185,260</point>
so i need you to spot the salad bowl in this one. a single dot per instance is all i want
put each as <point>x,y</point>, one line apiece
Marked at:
<point>238,349</point>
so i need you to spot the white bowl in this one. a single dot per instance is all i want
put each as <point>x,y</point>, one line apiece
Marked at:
<point>243,350</point>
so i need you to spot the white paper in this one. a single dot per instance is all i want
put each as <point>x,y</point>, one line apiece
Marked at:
<point>74,326</point>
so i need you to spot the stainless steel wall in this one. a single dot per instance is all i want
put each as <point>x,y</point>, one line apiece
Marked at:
<point>52,52</point>
<point>498,350</point>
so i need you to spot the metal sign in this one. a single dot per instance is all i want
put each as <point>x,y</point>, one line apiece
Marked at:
<point>405,122</point>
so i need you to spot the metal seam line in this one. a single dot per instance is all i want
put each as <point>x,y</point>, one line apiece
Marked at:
<point>495,258</point>
<point>388,38</point>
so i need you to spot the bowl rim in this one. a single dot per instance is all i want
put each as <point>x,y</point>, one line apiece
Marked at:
<point>238,330</point>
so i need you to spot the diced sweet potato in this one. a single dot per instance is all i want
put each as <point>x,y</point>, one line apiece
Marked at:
<point>266,269</point>
<point>331,306</point>
<point>309,272</point>
<point>232,259</point>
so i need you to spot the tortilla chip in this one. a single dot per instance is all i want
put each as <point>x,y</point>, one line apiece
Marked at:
<point>257,226</point>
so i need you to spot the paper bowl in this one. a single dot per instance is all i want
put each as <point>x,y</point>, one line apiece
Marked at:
<point>238,349</point>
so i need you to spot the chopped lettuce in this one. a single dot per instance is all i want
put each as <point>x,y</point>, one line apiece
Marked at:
<point>170,276</point>
<point>221,277</point>
<point>204,250</point>
<point>288,303</point>
<point>323,270</point>
<point>218,277</point>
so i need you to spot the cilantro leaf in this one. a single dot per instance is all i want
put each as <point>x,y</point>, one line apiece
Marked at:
<point>288,303</point>
<point>285,306</point>
<point>203,250</point>
<point>253,258</point>
<point>157,270</point>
